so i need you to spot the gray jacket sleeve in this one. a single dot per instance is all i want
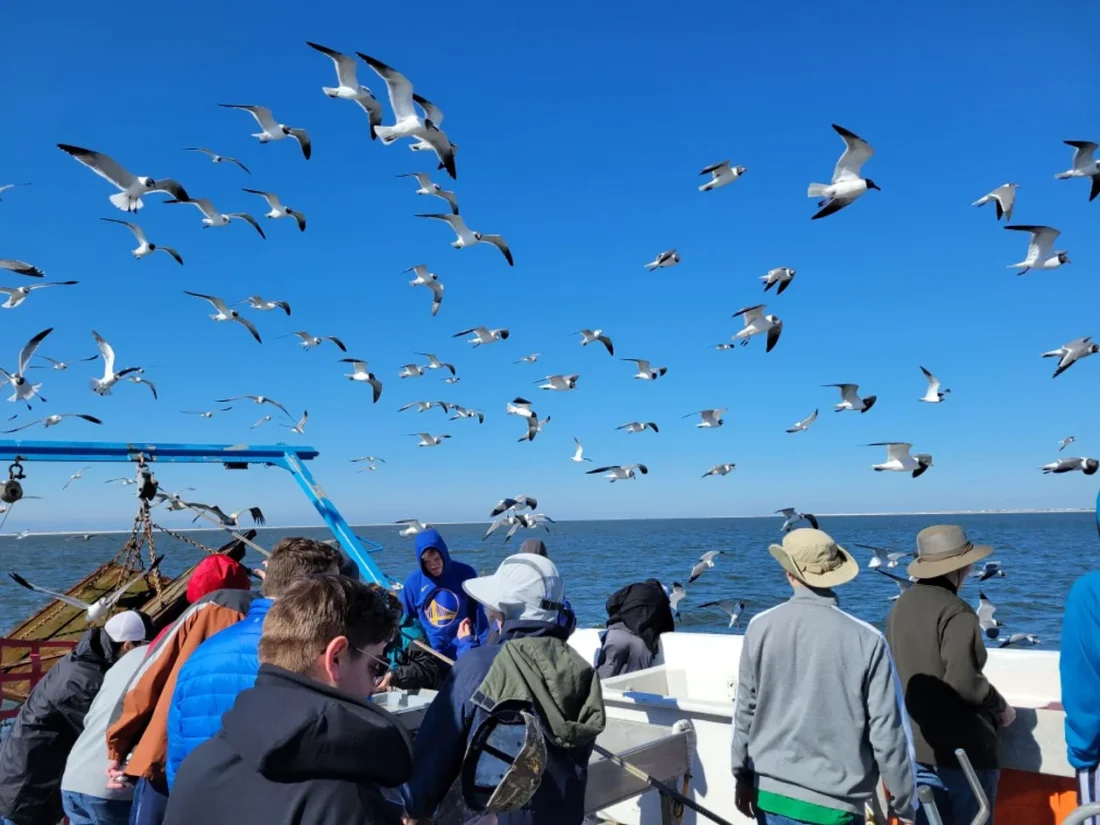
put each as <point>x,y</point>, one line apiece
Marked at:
<point>962,641</point>
<point>744,709</point>
<point>891,739</point>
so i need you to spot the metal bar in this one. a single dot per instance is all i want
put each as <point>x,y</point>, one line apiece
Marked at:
<point>106,451</point>
<point>1078,815</point>
<point>928,805</point>
<point>982,816</point>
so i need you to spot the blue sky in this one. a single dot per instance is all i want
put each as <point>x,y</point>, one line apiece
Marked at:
<point>582,128</point>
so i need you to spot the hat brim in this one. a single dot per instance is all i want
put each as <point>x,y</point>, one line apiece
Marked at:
<point>847,571</point>
<point>931,568</point>
<point>493,592</point>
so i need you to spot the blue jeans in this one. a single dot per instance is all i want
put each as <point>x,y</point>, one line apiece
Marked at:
<point>953,794</point>
<point>85,809</point>
<point>149,804</point>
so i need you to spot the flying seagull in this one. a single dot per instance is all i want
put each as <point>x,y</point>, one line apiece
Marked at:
<point>462,412</point>
<point>850,400</point>
<point>205,413</point>
<point>517,503</point>
<point>412,527</point>
<point>720,470</point>
<point>435,364</point>
<point>1004,196</point>
<point>791,517</point>
<point>350,88</point>
<point>79,474</point>
<point>902,583</point>
<point>804,424</point>
<point>734,609</point>
<point>619,472</point>
<point>1040,249</point>
<point>706,561</point>
<point>675,596</point>
<point>435,115</point>
<point>428,440</point>
<point>782,275</point>
<point>722,174</point>
<point>21,268</point>
<point>258,303</point>
<point>60,366</point>
<point>431,281</point>
<point>102,386</point>
<point>520,407</point>
<point>1018,638</point>
<point>1088,466</point>
<point>24,390</point>
<point>1084,165</point>
<point>578,455</point>
<point>847,185</point>
<point>429,188</point>
<point>311,341</point>
<point>93,611</point>
<point>534,427</point>
<point>559,383</point>
<point>709,418</point>
<point>757,323</point>
<point>882,557</point>
<point>991,569</point>
<point>300,427</point>
<point>255,399</point>
<point>130,187</point>
<point>144,247</point>
<point>370,459</point>
<point>645,371</point>
<point>933,395</point>
<point>262,420</point>
<point>361,373</point>
<point>1071,352</point>
<point>229,519</point>
<point>638,427</point>
<point>411,371</point>
<point>18,294</point>
<point>137,379</point>
<point>212,217</point>
<point>224,313</point>
<point>52,420</point>
<point>591,335</point>
<point>1065,442</point>
<point>483,335</point>
<point>899,460</point>
<point>528,359</point>
<point>6,186</point>
<point>990,626</point>
<point>215,157</point>
<point>466,237</point>
<point>269,129</point>
<point>665,259</point>
<point>278,210</point>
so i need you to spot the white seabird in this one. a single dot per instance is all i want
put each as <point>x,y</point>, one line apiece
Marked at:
<point>359,372</point>
<point>54,420</point>
<point>79,474</point>
<point>412,527</point>
<point>1040,249</point>
<point>722,174</point>
<point>93,611</point>
<point>278,210</point>
<point>850,400</point>
<point>782,275</point>
<point>804,424</point>
<point>665,259</point>
<point>578,455</point>
<point>224,313</point>
<point>262,420</point>
<point>300,427</point>
<point>24,390</point>
<point>991,569</point>
<point>791,517</point>
<point>1004,196</point>
<point>710,418</point>
<point>1071,352</point>
<point>514,503</point>
<point>720,470</point>
<point>757,323</point>
<point>462,412</point>
<point>215,157</point>
<point>350,88</point>
<point>645,371</point>
<point>428,440</point>
<point>1084,165</point>
<point>990,626</point>
<point>528,359</point>
<point>1065,442</point>
<point>589,336</point>
<point>638,427</point>
<point>1088,466</point>
<point>429,188</point>
<point>205,413</point>
<point>467,237</point>
<point>212,217</point>
<point>131,187</point>
<point>847,185</point>
<point>258,303</point>
<point>144,247</point>
<point>310,341</point>
<point>102,386</point>
<point>370,459</point>
<point>60,366</point>
<point>255,399</point>
<point>520,407</point>
<point>18,294</point>
<point>435,115</point>
<point>675,596</point>
<point>899,460</point>
<point>411,371</point>
<point>435,364</point>
<point>734,609</point>
<point>424,406</point>
<point>1017,638</point>
<point>559,383</point>
<point>483,335</point>
<point>534,427</point>
<point>933,395</point>
<point>431,281</point>
<point>706,561</point>
<point>269,129</point>
<point>227,519</point>
<point>619,472</point>
<point>882,557</point>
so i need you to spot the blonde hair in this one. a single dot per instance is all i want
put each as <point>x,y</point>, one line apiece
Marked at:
<point>294,558</point>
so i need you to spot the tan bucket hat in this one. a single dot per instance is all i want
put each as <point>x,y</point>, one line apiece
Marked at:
<point>814,558</point>
<point>943,549</point>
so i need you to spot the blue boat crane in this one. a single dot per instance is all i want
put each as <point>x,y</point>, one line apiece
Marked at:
<point>233,457</point>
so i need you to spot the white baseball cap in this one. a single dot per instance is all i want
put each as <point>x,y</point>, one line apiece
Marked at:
<point>525,586</point>
<point>125,627</point>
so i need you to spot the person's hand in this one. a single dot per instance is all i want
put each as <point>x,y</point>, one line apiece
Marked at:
<point>116,779</point>
<point>1008,716</point>
<point>465,629</point>
<point>384,683</point>
<point>405,820</point>
<point>745,798</point>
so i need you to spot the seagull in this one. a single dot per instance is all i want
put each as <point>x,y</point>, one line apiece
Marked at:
<point>311,341</point>
<point>277,208</point>
<point>407,123</point>
<point>530,522</point>
<point>665,259</point>
<point>1084,165</point>
<point>591,335</point>
<point>435,115</point>
<point>534,427</point>
<point>131,188</point>
<point>173,501</point>
<point>21,267</point>
<point>62,365</point>
<point>93,611</point>
<point>619,472</point>
<point>791,517</point>
<point>934,395</point>
<point>1040,250</point>
<point>520,407</point>
<point>725,346</point>
<point>412,527</point>
<point>79,474</point>
<point>427,440</point>
<point>350,88</point>
<point>483,335</point>
<point>846,185</point>
<point>429,188</point>
<point>638,427</point>
<point>469,238</point>
<point>212,217</point>
<point>559,383</point>
<point>359,372</point>
<point>1065,442</point>
<point>722,174</point>
<point>370,459</point>
<point>1017,638</point>
<point>451,379</point>
<point>990,626</point>
<point>528,359</point>
<point>1004,196</point>
<point>258,303</point>
<point>706,561</point>
<point>720,470</point>
<point>1088,466</point>
<point>18,294</point>
<point>300,427</point>
<point>411,371</point>
<point>517,503</point>
<point>850,400</point>
<point>990,570</point>
<point>205,413</point>
<point>224,313</point>
<point>734,609</point>
<point>902,583</point>
<point>262,420</point>
<point>137,379</point>
<point>53,420</point>
<point>424,406</point>
<point>710,418</point>
<point>431,281</point>
<point>578,455</point>
<point>435,364</point>
<point>228,519</point>
<point>270,130</point>
<point>102,386</point>
<point>782,275</point>
<point>804,424</point>
<point>899,460</point>
<point>1070,353</point>
<point>144,247</point>
<point>675,597</point>
<point>882,556</point>
<point>24,390</point>
<point>645,371</point>
<point>509,520</point>
<point>462,412</point>
<point>255,399</point>
<point>215,157</point>
<point>5,187</point>
<point>757,323</point>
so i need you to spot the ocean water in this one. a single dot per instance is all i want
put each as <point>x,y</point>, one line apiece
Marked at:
<point>1041,553</point>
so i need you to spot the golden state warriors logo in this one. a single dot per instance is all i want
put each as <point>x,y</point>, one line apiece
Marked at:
<point>442,610</point>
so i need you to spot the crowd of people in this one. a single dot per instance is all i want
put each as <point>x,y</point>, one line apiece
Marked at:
<point>255,707</point>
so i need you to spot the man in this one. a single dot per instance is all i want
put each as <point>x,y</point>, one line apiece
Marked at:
<point>227,663</point>
<point>84,793</point>
<point>434,593</point>
<point>305,745</point>
<point>1080,670</point>
<point>637,615</point>
<point>560,688</point>
<point>32,757</point>
<point>818,718</point>
<point>937,642</point>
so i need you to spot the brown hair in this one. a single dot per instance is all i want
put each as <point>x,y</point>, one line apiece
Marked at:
<point>295,558</point>
<point>316,610</point>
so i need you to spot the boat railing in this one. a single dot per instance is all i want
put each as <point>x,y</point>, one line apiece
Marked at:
<point>33,660</point>
<point>1079,815</point>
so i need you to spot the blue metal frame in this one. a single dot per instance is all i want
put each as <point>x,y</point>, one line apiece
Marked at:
<point>290,458</point>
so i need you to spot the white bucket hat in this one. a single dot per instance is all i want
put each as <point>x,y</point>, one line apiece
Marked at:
<point>525,586</point>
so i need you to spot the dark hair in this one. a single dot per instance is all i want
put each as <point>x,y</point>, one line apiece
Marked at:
<point>295,558</point>
<point>316,610</point>
<point>150,628</point>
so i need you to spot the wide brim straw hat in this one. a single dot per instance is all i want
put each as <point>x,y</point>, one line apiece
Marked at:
<point>814,558</point>
<point>943,549</point>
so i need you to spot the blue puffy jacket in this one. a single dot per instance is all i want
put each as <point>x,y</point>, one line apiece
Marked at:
<point>220,668</point>
<point>1080,671</point>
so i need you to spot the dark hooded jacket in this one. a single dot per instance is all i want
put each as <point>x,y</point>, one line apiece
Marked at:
<point>32,758</point>
<point>293,751</point>
<point>637,615</point>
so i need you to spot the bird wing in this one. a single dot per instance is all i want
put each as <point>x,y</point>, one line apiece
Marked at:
<point>895,450</point>
<point>271,198</point>
<point>457,222</point>
<point>1042,240</point>
<point>103,165</point>
<point>499,243</point>
<point>214,300</point>
<point>27,352</point>
<point>172,187</point>
<point>714,167</point>
<point>1082,157</point>
<point>61,597</point>
<point>244,322</point>
<point>750,314</point>
<point>443,148</point>
<point>112,599</point>
<point>24,426</point>
<point>21,267</point>
<point>431,111</point>
<point>856,153</point>
<point>933,381</point>
<point>813,417</point>
<point>345,65</point>
<point>397,85</point>
<point>170,251</point>
<point>302,136</point>
<point>261,113</point>
<point>336,341</point>
<point>603,339</point>
<point>133,227</point>
<point>244,216</point>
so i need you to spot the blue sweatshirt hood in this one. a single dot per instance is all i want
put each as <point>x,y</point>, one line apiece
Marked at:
<point>1080,671</point>
<point>431,539</point>
<point>439,602</point>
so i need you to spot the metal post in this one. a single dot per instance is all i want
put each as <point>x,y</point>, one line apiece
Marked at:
<point>928,805</point>
<point>1078,815</point>
<point>982,816</point>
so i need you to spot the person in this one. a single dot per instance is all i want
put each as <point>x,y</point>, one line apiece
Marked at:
<point>414,667</point>
<point>937,643</point>
<point>527,590</point>
<point>305,745</point>
<point>637,615</point>
<point>1080,671</point>
<point>32,757</point>
<point>217,571</point>
<point>818,718</point>
<point>433,593</point>
<point>84,793</point>
<point>137,741</point>
<point>227,662</point>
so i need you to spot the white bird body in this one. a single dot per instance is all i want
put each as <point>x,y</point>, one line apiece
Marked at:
<point>520,407</point>
<point>899,460</point>
<point>722,174</point>
<point>804,424</point>
<point>720,470</point>
<point>882,557</point>
<point>1088,466</point>
<point>529,359</point>
<point>131,187</point>
<point>429,188</point>
<point>1071,352</point>
<point>675,596</point>
<point>309,341</point>
<point>412,527</point>
<point>222,312</point>
<point>467,237</point>
<point>933,395</point>
<point>431,281</point>
<point>93,611</point>
<point>270,129</point>
<point>145,248</point>
<point>665,259</point>
<point>847,184</point>
<point>278,209</point>
<point>709,418</point>
<point>560,383</point>
<point>757,323</point>
<point>1065,442</point>
<point>435,364</point>
<point>733,608</point>
<point>102,386</point>
<point>592,335</point>
<point>991,569</point>
<point>350,88</point>
<point>1085,165</point>
<point>620,472</point>
<point>1004,196</point>
<point>483,335</point>
<point>411,371</point>
<point>258,303</point>
<point>18,294</point>
<point>1041,253</point>
<point>578,455</point>
<point>24,390</point>
<point>990,626</point>
<point>359,372</point>
<point>782,275</point>
<point>850,400</point>
<point>428,440</point>
<point>706,561</point>
<point>645,371</point>
<point>212,217</point>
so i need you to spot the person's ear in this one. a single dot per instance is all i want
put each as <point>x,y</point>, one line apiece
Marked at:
<point>333,657</point>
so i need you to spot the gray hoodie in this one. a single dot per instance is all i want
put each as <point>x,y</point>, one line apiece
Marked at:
<point>819,712</point>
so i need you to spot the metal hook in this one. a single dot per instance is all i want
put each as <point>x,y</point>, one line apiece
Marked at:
<point>15,470</point>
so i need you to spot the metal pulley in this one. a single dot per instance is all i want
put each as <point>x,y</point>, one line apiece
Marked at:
<point>146,481</point>
<point>13,490</point>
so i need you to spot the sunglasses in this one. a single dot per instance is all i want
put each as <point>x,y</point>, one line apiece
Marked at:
<point>378,667</point>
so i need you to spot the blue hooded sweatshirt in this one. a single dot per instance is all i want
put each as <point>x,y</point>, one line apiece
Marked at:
<point>440,602</point>
<point>1080,671</point>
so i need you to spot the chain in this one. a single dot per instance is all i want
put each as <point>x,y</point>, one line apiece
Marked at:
<point>184,539</point>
